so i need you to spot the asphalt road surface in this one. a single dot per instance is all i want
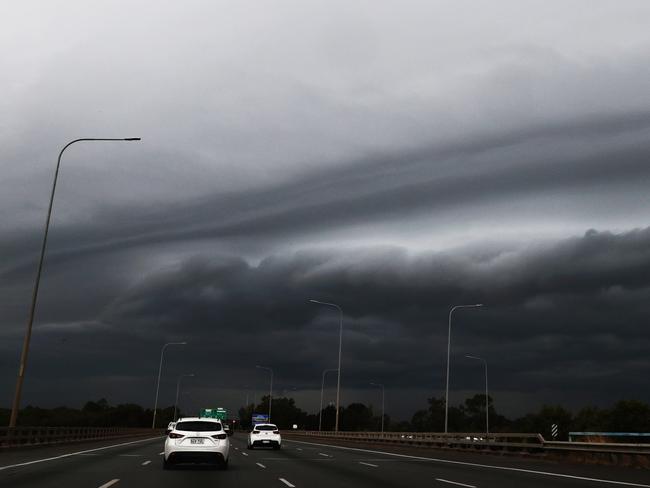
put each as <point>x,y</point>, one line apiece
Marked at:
<point>138,463</point>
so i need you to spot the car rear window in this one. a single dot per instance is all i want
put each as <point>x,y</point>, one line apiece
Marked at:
<point>198,426</point>
<point>266,427</point>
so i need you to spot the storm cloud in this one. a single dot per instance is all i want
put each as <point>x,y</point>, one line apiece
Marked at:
<point>396,159</point>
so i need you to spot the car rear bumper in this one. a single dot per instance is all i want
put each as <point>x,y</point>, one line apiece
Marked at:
<point>196,457</point>
<point>266,443</point>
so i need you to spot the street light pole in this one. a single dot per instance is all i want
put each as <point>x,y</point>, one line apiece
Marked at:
<point>383,398</point>
<point>178,387</point>
<point>448,354</point>
<point>162,351</point>
<point>28,332</point>
<point>270,388</point>
<point>487,402</point>
<point>322,387</point>
<point>338,381</point>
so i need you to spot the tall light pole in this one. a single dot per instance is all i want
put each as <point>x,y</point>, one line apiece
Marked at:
<point>322,387</point>
<point>448,354</point>
<point>28,332</point>
<point>338,380</point>
<point>162,351</point>
<point>383,398</point>
<point>270,388</point>
<point>487,402</point>
<point>178,387</point>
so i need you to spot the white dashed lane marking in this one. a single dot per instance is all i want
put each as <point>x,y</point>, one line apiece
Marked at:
<point>261,465</point>
<point>145,463</point>
<point>323,454</point>
<point>287,483</point>
<point>245,453</point>
<point>368,464</point>
<point>455,483</point>
<point>110,483</point>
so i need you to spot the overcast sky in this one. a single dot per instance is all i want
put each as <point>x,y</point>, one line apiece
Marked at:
<point>397,158</point>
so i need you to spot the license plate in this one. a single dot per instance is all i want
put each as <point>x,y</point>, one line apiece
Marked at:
<point>196,441</point>
<point>266,442</point>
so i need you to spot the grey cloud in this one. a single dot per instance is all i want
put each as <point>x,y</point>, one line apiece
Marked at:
<point>547,308</point>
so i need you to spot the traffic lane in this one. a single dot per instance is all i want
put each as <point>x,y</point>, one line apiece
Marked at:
<point>618,473</point>
<point>92,467</point>
<point>423,472</point>
<point>241,472</point>
<point>24,454</point>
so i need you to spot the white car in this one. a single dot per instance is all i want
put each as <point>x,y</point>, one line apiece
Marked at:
<point>265,435</point>
<point>197,440</point>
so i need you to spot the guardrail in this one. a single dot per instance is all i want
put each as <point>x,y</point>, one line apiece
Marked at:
<point>41,436</point>
<point>465,440</point>
<point>588,452</point>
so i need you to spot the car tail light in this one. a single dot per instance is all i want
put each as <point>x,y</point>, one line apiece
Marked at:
<point>256,432</point>
<point>276,431</point>
<point>220,436</point>
<point>175,436</point>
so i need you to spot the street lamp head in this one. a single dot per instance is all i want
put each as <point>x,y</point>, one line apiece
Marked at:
<point>132,139</point>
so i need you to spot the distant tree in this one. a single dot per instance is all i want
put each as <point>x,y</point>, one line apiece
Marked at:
<point>590,419</point>
<point>357,416</point>
<point>628,416</point>
<point>541,422</point>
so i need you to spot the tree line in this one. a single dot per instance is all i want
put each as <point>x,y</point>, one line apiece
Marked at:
<point>93,414</point>
<point>469,416</point>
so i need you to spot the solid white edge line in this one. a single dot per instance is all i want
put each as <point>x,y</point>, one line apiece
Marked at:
<point>285,482</point>
<point>110,483</point>
<point>62,456</point>
<point>145,463</point>
<point>477,465</point>
<point>455,483</point>
<point>368,464</point>
<point>261,465</point>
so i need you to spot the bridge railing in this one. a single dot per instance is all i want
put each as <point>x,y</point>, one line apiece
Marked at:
<point>39,436</point>
<point>464,440</point>
<point>521,442</point>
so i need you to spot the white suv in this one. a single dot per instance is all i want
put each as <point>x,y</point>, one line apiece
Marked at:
<point>197,440</point>
<point>265,435</point>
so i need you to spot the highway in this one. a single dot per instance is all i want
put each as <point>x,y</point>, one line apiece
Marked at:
<point>137,463</point>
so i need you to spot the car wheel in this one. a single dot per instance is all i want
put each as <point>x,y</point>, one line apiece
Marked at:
<point>250,447</point>
<point>167,464</point>
<point>224,465</point>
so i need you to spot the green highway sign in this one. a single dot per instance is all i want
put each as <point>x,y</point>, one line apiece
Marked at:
<point>214,413</point>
